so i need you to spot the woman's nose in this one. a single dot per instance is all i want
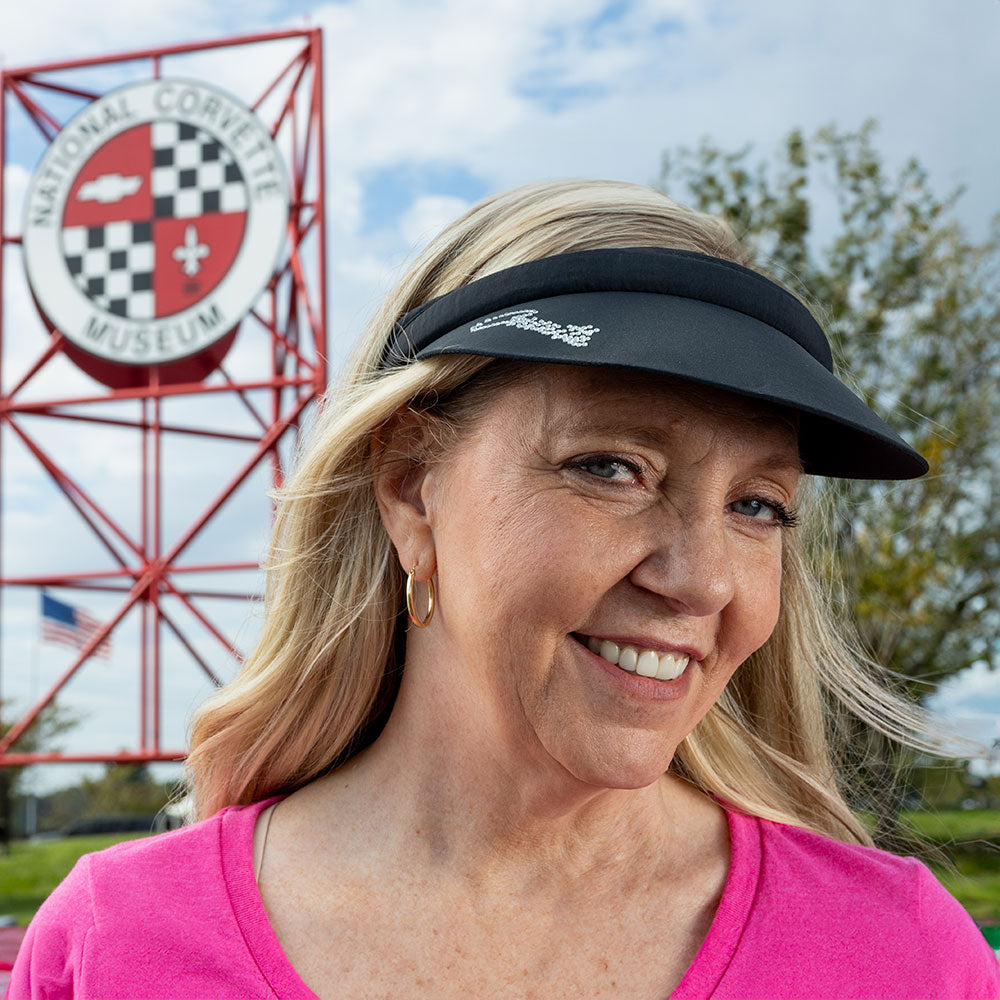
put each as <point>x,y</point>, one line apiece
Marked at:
<point>689,565</point>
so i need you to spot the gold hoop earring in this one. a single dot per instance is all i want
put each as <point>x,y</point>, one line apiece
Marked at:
<point>411,608</point>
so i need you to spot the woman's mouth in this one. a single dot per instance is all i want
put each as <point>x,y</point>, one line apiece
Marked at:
<point>644,662</point>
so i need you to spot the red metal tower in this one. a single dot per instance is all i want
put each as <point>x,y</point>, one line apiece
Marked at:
<point>287,326</point>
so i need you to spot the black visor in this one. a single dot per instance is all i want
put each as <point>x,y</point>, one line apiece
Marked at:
<point>673,312</point>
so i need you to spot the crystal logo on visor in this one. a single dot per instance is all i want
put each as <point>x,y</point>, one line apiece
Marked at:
<point>528,319</point>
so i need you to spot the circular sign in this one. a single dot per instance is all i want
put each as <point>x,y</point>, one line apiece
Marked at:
<point>153,222</point>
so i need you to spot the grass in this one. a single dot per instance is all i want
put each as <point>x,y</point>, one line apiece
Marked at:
<point>971,839</point>
<point>976,886</point>
<point>32,871</point>
<point>956,825</point>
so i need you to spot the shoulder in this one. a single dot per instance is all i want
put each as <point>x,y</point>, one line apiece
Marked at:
<point>870,910</point>
<point>110,880</point>
<point>850,868</point>
<point>157,860</point>
<point>133,898</point>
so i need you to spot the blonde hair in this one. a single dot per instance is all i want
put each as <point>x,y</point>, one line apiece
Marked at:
<point>319,684</point>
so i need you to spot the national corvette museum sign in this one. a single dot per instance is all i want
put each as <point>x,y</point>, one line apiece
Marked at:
<point>154,220</point>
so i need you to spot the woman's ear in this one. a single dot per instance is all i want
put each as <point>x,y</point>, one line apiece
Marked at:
<point>399,457</point>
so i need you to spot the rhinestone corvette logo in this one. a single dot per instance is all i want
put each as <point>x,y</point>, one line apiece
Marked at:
<point>154,221</point>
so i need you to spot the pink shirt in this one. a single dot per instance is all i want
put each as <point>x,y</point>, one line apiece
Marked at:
<point>179,915</point>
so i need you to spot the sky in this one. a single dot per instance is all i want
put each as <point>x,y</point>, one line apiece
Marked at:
<point>431,106</point>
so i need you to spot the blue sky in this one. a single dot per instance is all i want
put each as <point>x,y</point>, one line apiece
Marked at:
<point>434,105</point>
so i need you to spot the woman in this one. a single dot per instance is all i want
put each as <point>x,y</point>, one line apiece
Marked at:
<point>539,708</point>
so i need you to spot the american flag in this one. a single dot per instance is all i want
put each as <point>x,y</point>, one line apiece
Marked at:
<point>71,626</point>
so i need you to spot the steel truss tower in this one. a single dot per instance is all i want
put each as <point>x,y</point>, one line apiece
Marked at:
<point>288,327</point>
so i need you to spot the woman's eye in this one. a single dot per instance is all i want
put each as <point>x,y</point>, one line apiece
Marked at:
<point>761,509</point>
<point>608,467</point>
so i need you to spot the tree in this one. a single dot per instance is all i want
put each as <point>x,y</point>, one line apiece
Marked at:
<point>124,788</point>
<point>50,724</point>
<point>912,307</point>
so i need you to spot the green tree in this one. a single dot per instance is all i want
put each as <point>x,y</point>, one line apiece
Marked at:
<point>124,788</point>
<point>912,306</point>
<point>51,723</point>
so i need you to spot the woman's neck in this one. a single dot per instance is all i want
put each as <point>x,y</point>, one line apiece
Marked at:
<point>451,790</point>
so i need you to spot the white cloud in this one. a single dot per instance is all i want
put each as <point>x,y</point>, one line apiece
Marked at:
<point>428,215</point>
<point>60,29</point>
<point>970,701</point>
<point>973,692</point>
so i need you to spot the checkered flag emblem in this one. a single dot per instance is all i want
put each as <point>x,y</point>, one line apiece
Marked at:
<point>154,220</point>
<point>193,174</point>
<point>113,266</point>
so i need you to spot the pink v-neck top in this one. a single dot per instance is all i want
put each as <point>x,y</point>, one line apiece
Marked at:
<point>179,915</point>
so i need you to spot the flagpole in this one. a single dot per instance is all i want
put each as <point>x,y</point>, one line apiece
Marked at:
<point>30,800</point>
<point>36,653</point>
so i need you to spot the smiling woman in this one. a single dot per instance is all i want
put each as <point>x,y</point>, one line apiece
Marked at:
<point>598,756</point>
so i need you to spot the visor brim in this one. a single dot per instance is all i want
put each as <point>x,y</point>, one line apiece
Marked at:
<point>704,343</point>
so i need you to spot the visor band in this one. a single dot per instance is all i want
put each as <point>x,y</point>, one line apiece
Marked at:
<point>683,273</point>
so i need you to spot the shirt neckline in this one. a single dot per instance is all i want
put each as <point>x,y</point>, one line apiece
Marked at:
<point>698,982</point>
<point>236,847</point>
<point>733,912</point>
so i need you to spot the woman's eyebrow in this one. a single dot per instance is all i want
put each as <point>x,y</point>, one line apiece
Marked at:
<point>580,424</point>
<point>779,462</point>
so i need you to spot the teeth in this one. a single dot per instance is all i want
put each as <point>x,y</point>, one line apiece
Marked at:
<point>627,659</point>
<point>671,667</point>
<point>646,663</point>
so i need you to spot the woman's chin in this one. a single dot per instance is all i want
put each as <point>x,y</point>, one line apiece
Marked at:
<point>622,766</point>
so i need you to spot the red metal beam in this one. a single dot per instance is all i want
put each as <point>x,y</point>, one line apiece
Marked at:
<point>282,341</point>
<point>301,54</point>
<point>215,567</point>
<point>299,288</point>
<point>139,425</point>
<point>316,42</point>
<point>195,655</point>
<point>302,167</point>
<point>278,363</point>
<point>266,443</point>
<point>289,104</point>
<point>59,580</point>
<point>42,120</point>
<point>121,757</point>
<point>144,610</point>
<point>154,591</point>
<point>248,406</point>
<point>159,52</point>
<point>225,595</point>
<point>163,391</point>
<point>55,343</point>
<point>88,95</point>
<point>186,601</point>
<point>75,493</point>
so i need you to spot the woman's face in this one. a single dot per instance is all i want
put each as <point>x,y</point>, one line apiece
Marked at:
<point>608,510</point>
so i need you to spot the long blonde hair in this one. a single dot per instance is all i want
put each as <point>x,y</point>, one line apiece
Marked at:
<point>320,682</point>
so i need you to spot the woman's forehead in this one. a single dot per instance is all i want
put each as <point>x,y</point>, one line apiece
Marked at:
<point>579,393</point>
